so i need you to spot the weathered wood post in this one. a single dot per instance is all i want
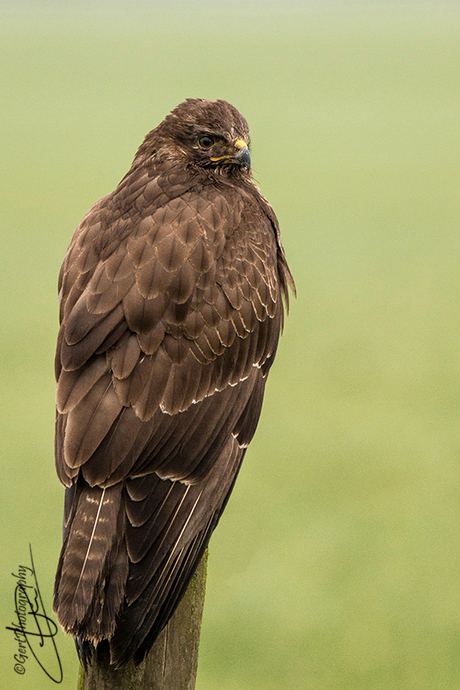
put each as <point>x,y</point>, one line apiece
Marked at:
<point>172,662</point>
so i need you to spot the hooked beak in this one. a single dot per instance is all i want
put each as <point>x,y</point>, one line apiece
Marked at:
<point>242,156</point>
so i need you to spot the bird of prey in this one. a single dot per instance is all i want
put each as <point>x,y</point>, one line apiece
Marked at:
<point>171,305</point>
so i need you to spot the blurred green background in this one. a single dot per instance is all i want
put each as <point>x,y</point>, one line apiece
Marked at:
<point>337,564</point>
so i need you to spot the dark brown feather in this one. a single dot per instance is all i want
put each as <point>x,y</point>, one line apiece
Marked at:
<point>74,385</point>
<point>89,421</point>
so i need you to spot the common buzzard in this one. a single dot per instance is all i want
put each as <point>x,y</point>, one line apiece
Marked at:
<point>171,305</point>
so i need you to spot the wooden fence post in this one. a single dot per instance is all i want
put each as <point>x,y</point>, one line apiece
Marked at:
<point>172,662</point>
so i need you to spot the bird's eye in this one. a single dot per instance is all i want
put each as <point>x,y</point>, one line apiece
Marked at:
<point>205,142</point>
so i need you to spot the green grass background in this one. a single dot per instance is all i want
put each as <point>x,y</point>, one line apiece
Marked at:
<point>337,564</point>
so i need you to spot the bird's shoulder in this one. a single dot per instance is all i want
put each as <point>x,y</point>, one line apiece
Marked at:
<point>188,270</point>
<point>174,219</point>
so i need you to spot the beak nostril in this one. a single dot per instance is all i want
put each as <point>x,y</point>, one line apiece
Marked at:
<point>240,144</point>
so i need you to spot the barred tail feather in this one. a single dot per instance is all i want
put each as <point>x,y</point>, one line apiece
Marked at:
<point>93,565</point>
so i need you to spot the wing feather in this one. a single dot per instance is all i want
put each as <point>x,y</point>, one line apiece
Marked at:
<point>123,358</point>
<point>74,385</point>
<point>89,421</point>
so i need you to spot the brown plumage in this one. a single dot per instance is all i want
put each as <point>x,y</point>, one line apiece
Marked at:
<point>171,307</point>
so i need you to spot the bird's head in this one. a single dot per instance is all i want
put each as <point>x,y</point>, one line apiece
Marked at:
<point>198,133</point>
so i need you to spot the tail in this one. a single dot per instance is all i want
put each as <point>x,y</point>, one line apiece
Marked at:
<point>156,529</point>
<point>93,565</point>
